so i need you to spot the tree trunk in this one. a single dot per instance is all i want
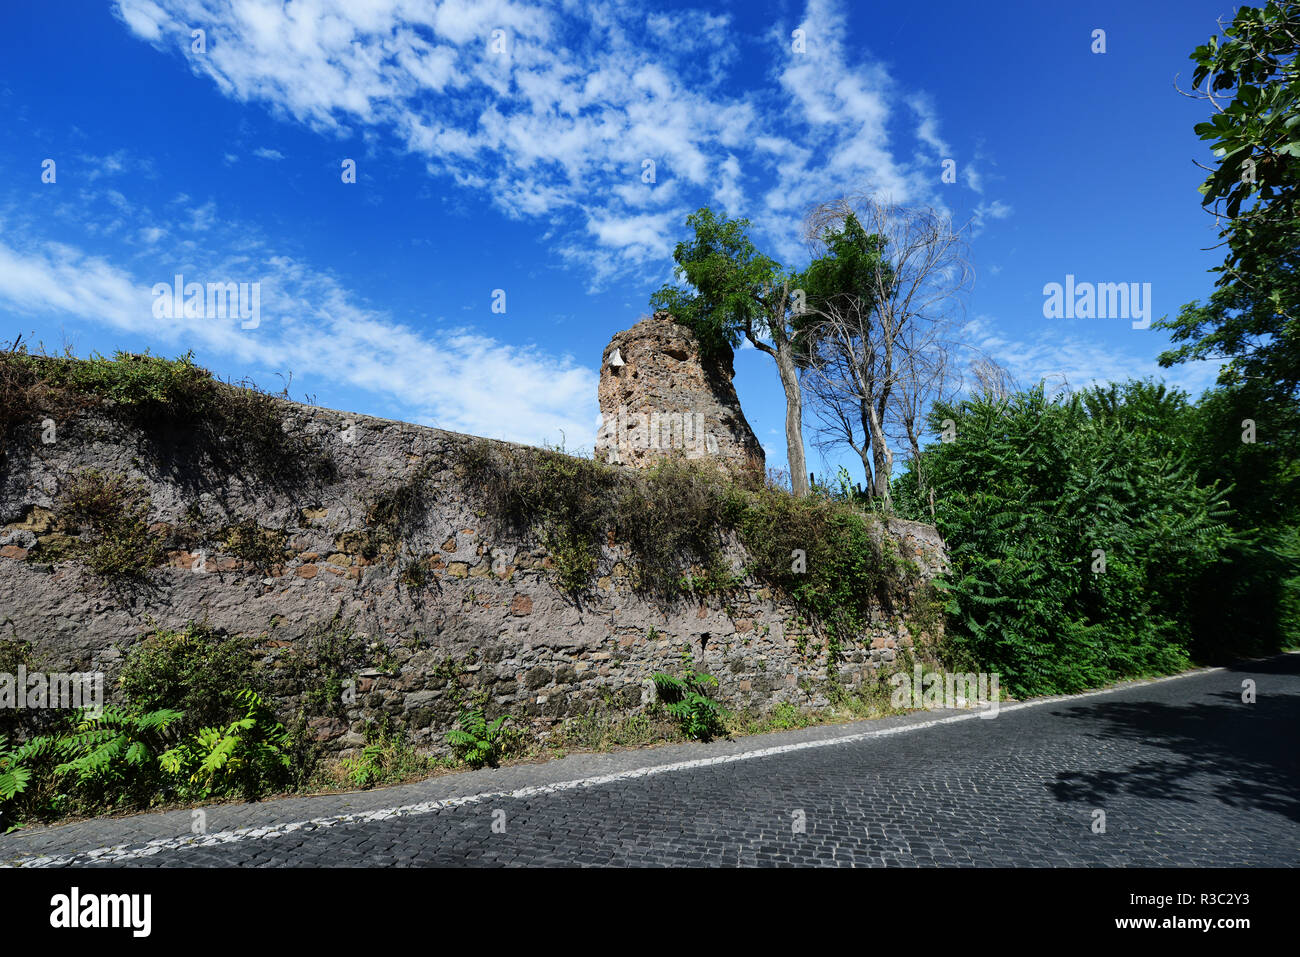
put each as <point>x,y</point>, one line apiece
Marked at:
<point>868,446</point>
<point>881,455</point>
<point>793,416</point>
<point>864,453</point>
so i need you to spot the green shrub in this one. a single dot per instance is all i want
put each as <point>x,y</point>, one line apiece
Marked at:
<point>687,699</point>
<point>476,741</point>
<point>249,755</point>
<point>14,774</point>
<point>127,759</point>
<point>1031,494</point>
<point>386,758</point>
<point>110,760</point>
<point>788,717</point>
<point>195,670</point>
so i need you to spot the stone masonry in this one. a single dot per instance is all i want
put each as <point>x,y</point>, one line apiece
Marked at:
<point>658,398</point>
<point>449,606</point>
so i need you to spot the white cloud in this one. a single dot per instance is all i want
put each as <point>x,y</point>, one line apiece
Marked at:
<point>62,279</point>
<point>558,127</point>
<point>927,129</point>
<point>310,325</point>
<point>990,210</point>
<point>117,163</point>
<point>268,154</point>
<point>1077,355</point>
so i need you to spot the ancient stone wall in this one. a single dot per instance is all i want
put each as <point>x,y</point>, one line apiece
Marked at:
<point>450,606</point>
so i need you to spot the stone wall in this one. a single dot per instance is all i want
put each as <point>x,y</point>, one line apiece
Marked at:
<point>449,593</point>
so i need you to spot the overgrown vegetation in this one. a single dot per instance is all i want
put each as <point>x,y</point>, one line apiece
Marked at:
<point>195,670</point>
<point>386,758</point>
<point>194,723</point>
<point>248,754</point>
<point>609,728</point>
<point>176,404</point>
<point>1075,526</point>
<point>128,758</point>
<point>1249,81</point>
<point>870,701</point>
<point>829,554</point>
<point>672,517</point>
<point>321,667</point>
<point>103,520</point>
<point>477,741</point>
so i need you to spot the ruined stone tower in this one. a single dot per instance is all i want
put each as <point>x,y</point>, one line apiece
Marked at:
<point>659,398</point>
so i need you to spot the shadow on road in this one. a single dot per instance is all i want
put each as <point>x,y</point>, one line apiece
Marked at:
<point>1245,755</point>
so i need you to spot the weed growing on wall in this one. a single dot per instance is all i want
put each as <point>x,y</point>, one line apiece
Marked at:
<point>688,698</point>
<point>103,520</point>
<point>173,402</point>
<point>676,520</point>
<point>478,741</point>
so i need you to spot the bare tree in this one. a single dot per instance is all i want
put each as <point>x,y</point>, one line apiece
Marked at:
<point>877,353</point>
<point>928,375</point>
<point>841,384</point>
<point>991,379</point>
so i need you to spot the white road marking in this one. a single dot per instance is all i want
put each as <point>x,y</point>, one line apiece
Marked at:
<point>127,852</point>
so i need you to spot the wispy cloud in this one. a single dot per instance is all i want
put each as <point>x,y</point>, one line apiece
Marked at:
<point>554,113</point>
<point>1078,356</point>
<point>311,325</point>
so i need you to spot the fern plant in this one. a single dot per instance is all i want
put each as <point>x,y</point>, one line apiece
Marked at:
<point>110,746</point>
<point>476,741</point>
<point>687,699</point>
<point>14,775</point>
<point>249,754</point>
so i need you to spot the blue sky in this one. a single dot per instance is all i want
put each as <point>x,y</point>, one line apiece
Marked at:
<point>523,171</point>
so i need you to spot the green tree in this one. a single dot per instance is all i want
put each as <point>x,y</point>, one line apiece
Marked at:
<point>1253,593</point>
<point>1252,81</point>
<point>881,299</point>
<point>740,293</point>
<point>1247,432</point>
<point>1076,527</point>
<point>849,352</point>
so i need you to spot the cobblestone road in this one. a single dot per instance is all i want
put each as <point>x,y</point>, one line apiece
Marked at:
<point>1185,772</point>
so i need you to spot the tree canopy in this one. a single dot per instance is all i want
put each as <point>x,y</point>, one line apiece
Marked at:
<point>1252,82</point>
